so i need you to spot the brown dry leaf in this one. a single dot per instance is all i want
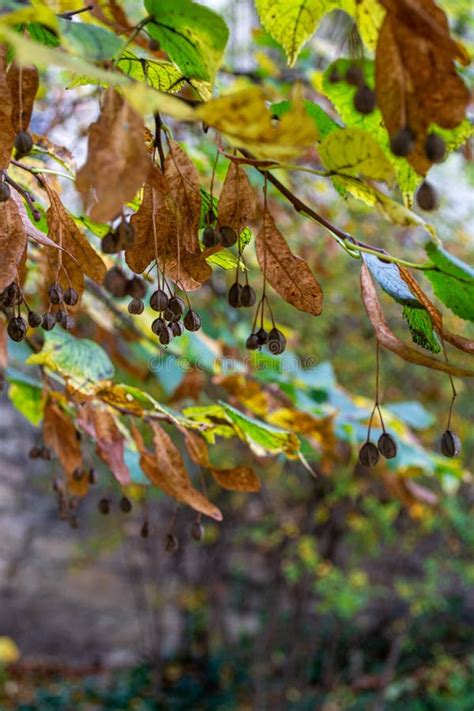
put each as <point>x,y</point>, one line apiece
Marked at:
<point>247,391</point>
<point>237,479</point>
<point>7,133</point>
<point>237,201</point>
<point>110,444</point>
<point>61,437</point>
<point>197,447</point>
<point>173,476</point>
<point>390,341</point>
<point>416,79</point>
<point>117,160</point>
<point>3,346</point>
<point>32,232</point>
<point>12,242</point>
<point>288,274</point>
<point>24,83</point>
<point>117,396</point>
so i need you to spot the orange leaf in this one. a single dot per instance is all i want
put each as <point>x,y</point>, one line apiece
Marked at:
<point>7,133</point>
<point>24,83</point>
<point>61,437</point>
<point>237,479</point>
<point>237,201</point>
<point>110,444</point>
<point>12,242</point>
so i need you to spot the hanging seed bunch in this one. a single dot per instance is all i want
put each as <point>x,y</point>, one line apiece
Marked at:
<point>364,97</point>
<point>119,238</point>
<point>175,314</point>
<point>450,442</point>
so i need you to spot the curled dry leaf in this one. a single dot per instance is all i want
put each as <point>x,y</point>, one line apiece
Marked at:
<point>61,437</point>
<point>237,479</point>
<point>288,274</point>
<point>7,132</point>
<point>110,444</point>
<point>12,242</point>
<point>416,80</point>
<point>23,82</point>
<point>117,160</point>
<point>390,341</point>
<point>197,447</point>
<point>237,201</point>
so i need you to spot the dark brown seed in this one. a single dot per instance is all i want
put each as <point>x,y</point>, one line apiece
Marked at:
<point>209,237</point>
<point>171,543</point>
<point>192,320</point>
<point>158,325</point>
<point>276,341</point>
<point>227,236</point>
<point>165,336</point>
<point>104,506</point>
<point>159,300</point>
<point>402,142</point>
<point>34,319</point>
<point>116,282</point>
<point>197,530</point>
<point>334,76</point>
<point>176,328</point>
<point>45,453</point>
<point>247,296</point>
<point>35,452</point>
<point>125,504</point>
<point>78,474</point>
<point>354,75</point>
<point>16,329</point>
<point>125,234</point>
<point>23,143</point>
<point>60,315</point>
<point>136,287</point>
<point>111,243</point>
<point>68,322</point>
<point>234,295</point>
<point>369,454</point>
<point>169,315</point>
<point>252,342</point>
<point>71,297</point>
<point>145,530</point>
<point>176,305</point>
<point>450,444</point>
<point>435,148</point>
<point>364,100</point>
<point>136,306</point>
<point>92,476</point>
<point>262,336</point>
<point>387,445</point>
<point>426,197</point>
<point>5,191</point>
<point>49,322</point>
<point>14,293</point>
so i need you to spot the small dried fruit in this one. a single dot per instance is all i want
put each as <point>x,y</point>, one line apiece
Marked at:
<point>5,191</point>
<point>387,445</point>
<point>78,474</point>
<point>158,325</point>
<point>16,328</point>
<point>136,306</point>
<point>68,322</point>
<point>176,328</point>
<point>252,342</point>
<point>364,99</point>
<point>145,530</point>
<point>159,300</point>
<point>104,506</point>
<point>276,341</point>
<point>192,320</point>
<point>125,504</point>
<point>23,143</point>
<point>426,197</point>
<point>369,454</point>
<point>14,293</point>
<point>49,322</point>
<point>435,148</point>
<point>125,234</point>
<point>334,76</point>
<point>60,315</point>
<point>165,336</point>
<point>71,297</point>
<point>354,75</point>
<point>176,305</point>
<point>136,287</point>
<point>262,336</point>
<point>209,237</point>
<point>92,476</point>
<point>116,282</point>
<point>35,452</point>
<point>227,236</point>
<point>111,243</point>
<point>234,295</point>
<point>197,530</point>
<point>450,444</point>
<point>247,296</point>
<point>171,543</point>
<point>402,142</point>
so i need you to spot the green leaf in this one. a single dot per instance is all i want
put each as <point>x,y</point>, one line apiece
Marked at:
<point>270,438</point>
<point>324,123</point>
<point>78,359</point>
<point>27,397</point>
<point>292,22</point>
<point>215,417</point>
<point>452,281</point>
<point>91,41</point>
<point>42,34</point>
<point>161,75</point>
<point>388,277</point>
<point>354,152</point>
<point>421,328</point>
<point>193,36</point>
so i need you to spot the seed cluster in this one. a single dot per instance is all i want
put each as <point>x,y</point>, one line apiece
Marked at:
<point>364,97</point>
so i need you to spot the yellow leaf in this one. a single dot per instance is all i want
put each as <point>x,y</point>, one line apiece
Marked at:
<point>244,118</point>
<point>9,652</point>
<point>353,152</point>
<point>369,15</point>
<point>36,12</point>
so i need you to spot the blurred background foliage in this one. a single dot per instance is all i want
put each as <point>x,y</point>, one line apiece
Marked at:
<point>351,590</point>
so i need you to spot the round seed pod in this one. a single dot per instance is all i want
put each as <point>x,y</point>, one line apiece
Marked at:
<point>23,143</point>
<point>35,452</point>
<point>159,300</point>
<point>369,454</point>
<point>364,99</point>
<point>110,243</point>
<point>176,328</point>
<point>197,530</point>
<point>145,530</point>
<point>262,336</point>
<point>209,237</point>
<point>116,282</point>
<point>60,315</point>
<point>71,297</point>
<point>158,325</point>
<point>165,336</point>
<point>334,76</point>
<point>68,322</point>
<point>402,142</point>
<point>136,307</point>
<point>192,320</point>
<point>387,445</point>
<point>176,305</point>
<point>45,453</point>
<point>450,444</point>
<point>234,295</point>
<point>125,504</point>
<point>426,197</point>
<point>276,341</point>
<point>247,296</point>
<point>136,287</point>
<point>435,148</point>
<point>171,543</point>
<point>5,191</point>
<point>78,474</point>
<point>34,319</point>
<point>125,234</point>
<point>104,506</point>
<point>169,315</point>
<point>354,75</point>
<point>14,293</point>
<point>227,236</point>
<point>252,342</point>
<point>49,322</point>
<point>91,477</point>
